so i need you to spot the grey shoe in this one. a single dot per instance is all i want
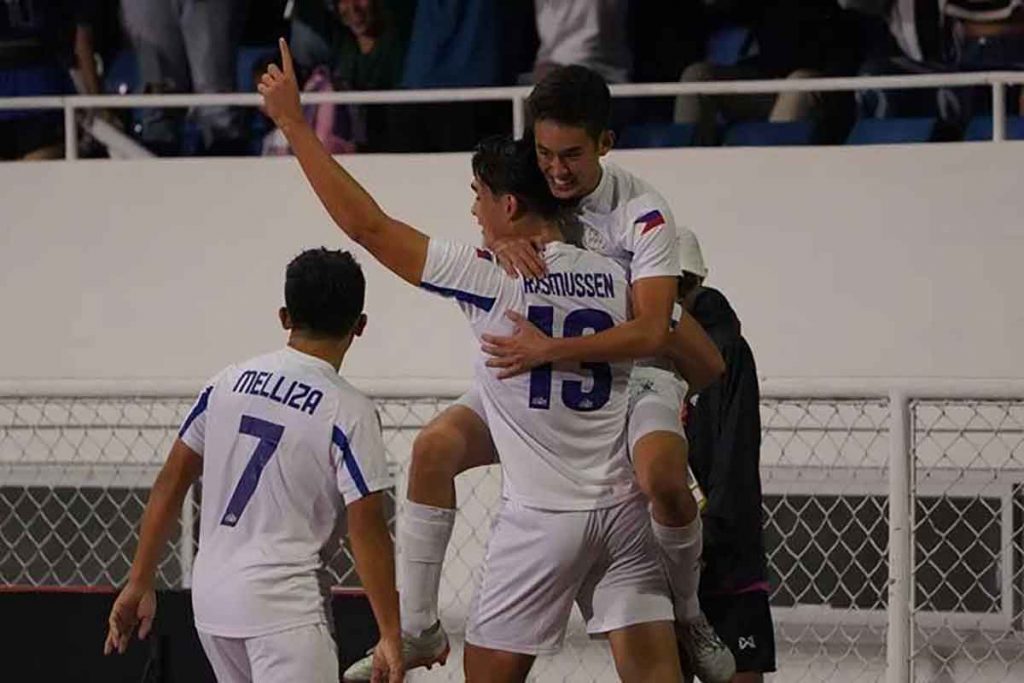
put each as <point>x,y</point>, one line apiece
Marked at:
<point>702,653</point>
<point>425,650</point>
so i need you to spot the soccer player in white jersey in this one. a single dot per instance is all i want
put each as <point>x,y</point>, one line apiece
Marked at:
<point>627,220</point>
<point>284,446</point>
<point>573,524</point>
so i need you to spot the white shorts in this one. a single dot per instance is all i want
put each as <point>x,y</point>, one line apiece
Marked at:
<point>305,653</point>
<point>656,400</point>
<point>471,399</point>
<point>539,562</point>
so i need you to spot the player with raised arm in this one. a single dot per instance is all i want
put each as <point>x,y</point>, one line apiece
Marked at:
<point>284,446</point>
<point>626,219</point>
<point>573,524</point>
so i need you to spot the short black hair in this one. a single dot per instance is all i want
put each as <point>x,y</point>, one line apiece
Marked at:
<point>686,283</point>
<point>572,96</point>
<point>324,292</point>
<point>508,166</point>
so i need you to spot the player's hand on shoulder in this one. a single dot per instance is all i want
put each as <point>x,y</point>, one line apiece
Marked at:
<point>135,606</point>
<point>280,90</point>
<point>520,256</point>
<point>388,666</point>
<point>523,350</point>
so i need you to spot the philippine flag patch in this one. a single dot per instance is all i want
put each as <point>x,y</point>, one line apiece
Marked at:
<point>650,221</point>
<point>485,255</point>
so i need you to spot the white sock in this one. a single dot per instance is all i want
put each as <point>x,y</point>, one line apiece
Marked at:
<point>680,555</point>
<point>423,534</point>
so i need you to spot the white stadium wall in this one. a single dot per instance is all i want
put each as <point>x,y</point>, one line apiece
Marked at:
<point>842,262</point>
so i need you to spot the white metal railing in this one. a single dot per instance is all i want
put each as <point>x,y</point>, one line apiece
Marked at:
<point>516,95</point>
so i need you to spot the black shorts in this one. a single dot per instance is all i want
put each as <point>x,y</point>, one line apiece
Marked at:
<point>744,623</point>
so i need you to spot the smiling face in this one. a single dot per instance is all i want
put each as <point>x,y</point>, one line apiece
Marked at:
<point>569,157</point>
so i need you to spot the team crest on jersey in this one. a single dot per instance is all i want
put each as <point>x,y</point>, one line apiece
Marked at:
<point>652,220</point>
<point>593,240</point>
<point>485,255</point>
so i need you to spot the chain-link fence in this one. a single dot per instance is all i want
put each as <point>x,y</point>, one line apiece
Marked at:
<point>75,473</point>
<point>969,540</point>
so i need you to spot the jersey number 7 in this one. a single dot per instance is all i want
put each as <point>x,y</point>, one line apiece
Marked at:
<point>269,435</point>
<point>573,395</point>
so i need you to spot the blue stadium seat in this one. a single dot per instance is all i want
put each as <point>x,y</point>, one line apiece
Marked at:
<point>121,74</point>
<point>639,135</point>
<point>891,131</point>
<point>980,128</point>
<point>728,45</point>
<point>767,134</point>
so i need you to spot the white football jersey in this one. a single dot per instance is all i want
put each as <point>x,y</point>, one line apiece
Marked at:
<point>286,444</point>
<point>625,219</point>
<point>559,431</point>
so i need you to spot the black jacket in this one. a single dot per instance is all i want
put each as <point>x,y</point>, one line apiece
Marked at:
<point>724,430</point>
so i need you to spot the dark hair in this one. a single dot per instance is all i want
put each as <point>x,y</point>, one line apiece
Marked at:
<point>686,283</point>
<point>324,292</point>
<point>572,96</point>
<point>508,166</point>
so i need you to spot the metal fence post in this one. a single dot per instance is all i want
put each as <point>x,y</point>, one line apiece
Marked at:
<point>898,640</point>
<point>518,116</point>
<point>998,112</point>
<point>70,130</point>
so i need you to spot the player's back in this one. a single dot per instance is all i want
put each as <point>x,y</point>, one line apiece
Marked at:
<point>560,430</point>
<point>278,464</point>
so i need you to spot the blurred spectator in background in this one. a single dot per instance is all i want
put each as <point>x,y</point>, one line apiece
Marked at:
<point>188,46</point>
<point>360,46</point>
<point>929,36</point>
<point>454,44</point>
<point>987,35</point>
<point>40,40</point>
<point>591,33</point>
<point>789,39</point>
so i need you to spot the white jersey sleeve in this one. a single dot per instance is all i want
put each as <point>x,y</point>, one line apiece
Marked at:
<point>193,429</point>
<point>467,274</point>
<point>359,456</point>
<point>651,238</point>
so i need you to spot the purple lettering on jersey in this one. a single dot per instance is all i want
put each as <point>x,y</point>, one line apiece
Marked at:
<point>244,380</point>
<point>289,394</point>
<point>273,394</point>
<point>577,285</point>
<point>303,391</point>
<point>312,401</point>
<point>261,379</point>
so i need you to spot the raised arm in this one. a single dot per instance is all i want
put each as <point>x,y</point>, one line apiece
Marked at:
<point>399,247</point>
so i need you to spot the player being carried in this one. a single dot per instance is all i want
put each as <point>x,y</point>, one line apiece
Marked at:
<point>283,444</point>
<point>625,219</point>
<point>573,524</point>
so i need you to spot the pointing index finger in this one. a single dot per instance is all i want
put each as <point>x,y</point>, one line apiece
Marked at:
<point>286,58</point>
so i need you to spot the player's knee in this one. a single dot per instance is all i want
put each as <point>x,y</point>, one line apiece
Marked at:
<point>660,463</point>
<point>437,453</point>
<point>669,490</point>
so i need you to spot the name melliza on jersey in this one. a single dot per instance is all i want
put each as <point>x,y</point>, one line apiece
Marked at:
<point>299,395</point>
